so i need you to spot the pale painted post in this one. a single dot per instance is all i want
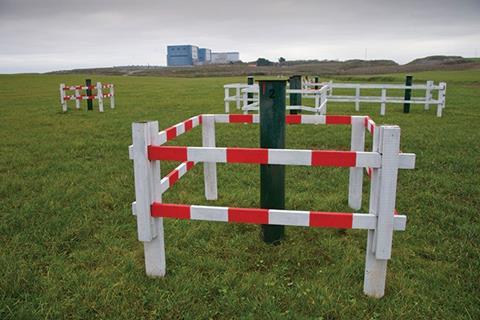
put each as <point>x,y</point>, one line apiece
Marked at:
<point>62,97</point>
<point>323,101</point>
<point>384,99</point>
<point>441,98</point>
<point>357,98</point>
<point>237,96</point>
<point>245,102</point>
<point>209,168</point>
<point>428,94</point>
<point>227,103</point>
<point>355,184</point>
<point>330,91</point>
<point>147,190</point>
<point>384,186</point>
<point>317,102</point>
<point>77,98</point>
<point>112,96</point>
<point>100,96</point>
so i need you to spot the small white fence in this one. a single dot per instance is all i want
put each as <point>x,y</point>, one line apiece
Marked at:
<point>382,163</point>
<point>325,94</point>
<point>79,96</point>
<point>246,98</point>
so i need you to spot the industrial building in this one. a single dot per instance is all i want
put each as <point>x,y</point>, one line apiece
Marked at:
<point>189,55</point>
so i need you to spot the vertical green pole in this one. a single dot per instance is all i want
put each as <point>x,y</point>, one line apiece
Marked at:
<point>295,98</point>
<point>250,81</point>
<point>408,94</point>
<point>272,135</point>
<point>88,82</point>
<point>316,81</point>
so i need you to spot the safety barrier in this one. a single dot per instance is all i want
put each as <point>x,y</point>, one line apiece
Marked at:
<point>383,99</point>
<point>246,98</point>
<point>78,96</point>
<point>382,163</point>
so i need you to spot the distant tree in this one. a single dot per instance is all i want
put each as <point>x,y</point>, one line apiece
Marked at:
<point>281,60</point>
<point>263,62</point>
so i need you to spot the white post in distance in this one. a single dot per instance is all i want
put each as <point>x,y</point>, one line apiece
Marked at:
<point>428,94</point>
<point>237,96</point>
<point>62,97</point>
<point>384,100</point>
<point>441,98</point>
<point>355,184</point>
<point>227,102</point>
<point>77,99</point>
<point>112,96</point>
<point>100,96</point>
<point>382,197</point>
<point>209,168</point>
<point>357,98</point>
<point>147,190</point>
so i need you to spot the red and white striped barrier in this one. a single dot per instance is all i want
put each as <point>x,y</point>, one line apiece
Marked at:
<point>78,96</point>
<point>382,162</point>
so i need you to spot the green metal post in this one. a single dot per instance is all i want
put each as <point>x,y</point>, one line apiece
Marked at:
<point>250,81</point>
<point>408,94</point>
<point>272,135</point>
<point>295,98</point>
<point>88,82</point>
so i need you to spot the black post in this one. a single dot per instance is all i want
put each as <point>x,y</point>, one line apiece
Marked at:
<point>295,98</point>
<point>88,83</point>
<point>408,94</point>
<point>272,135</point>
<point>250,81</point>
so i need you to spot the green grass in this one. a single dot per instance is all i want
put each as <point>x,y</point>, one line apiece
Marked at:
<point>68,239</point>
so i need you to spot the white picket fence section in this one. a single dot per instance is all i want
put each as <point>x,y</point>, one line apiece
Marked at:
<point>242,101</point>
<point>428,99</point>
<point>382,162</point>
<point>325,94</point>
<point>79,96</point>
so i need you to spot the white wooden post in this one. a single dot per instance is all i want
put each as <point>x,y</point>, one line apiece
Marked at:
<point>317,103</point>
<point>209,168</point>
<point>237,96</point>
<point>147,190</point>
<point>357,98</point>
<point>245,102</point>
<point>383,194</point>
<point>62,97</point>
<point>428,94</point>
<point>323,101</point>
<point>330,91</point>
<point>112,96</point>
<point>227,103</point>
<point>77,98</point>
<point>384,99</point>
<point>100,96</point>
<point>441,98</point>
<point>355,184</point>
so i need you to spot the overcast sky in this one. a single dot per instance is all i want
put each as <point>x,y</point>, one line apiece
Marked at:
<point>44,35</point>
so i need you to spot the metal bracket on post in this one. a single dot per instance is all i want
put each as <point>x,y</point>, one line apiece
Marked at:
<point>272,135</point>
<point>147,190</point>
<point>382,204</point>
<point>209,168</point>
<point>355,184</point>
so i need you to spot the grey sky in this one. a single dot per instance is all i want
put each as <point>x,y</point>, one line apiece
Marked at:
<point>43,35</point>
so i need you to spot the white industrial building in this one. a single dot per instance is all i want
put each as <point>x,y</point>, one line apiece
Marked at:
<point>225,57</point>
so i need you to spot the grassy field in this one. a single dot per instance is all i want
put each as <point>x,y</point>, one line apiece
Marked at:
<point>68,239</point>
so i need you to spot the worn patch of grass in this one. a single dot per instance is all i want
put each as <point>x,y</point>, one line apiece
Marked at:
<point>69,247</point>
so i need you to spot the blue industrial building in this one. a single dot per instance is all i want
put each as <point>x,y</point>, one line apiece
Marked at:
<point>184,55</point>
<point>187,55</point>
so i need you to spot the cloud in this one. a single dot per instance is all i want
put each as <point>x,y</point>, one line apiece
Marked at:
<point>49,35</point>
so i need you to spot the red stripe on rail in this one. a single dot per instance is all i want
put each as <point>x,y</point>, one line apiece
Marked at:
<point>338,119</point>
<point>164,210</point>
<point>240,118</point>
<point>188,125</point>
<point>244,215</point>
<point>293,119</point>
<point>247,155</point>
<point>171,133</point>
<point>331,219</point>
<point>173,177</point>
<point>167,153</point>
<point>334,158</point>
